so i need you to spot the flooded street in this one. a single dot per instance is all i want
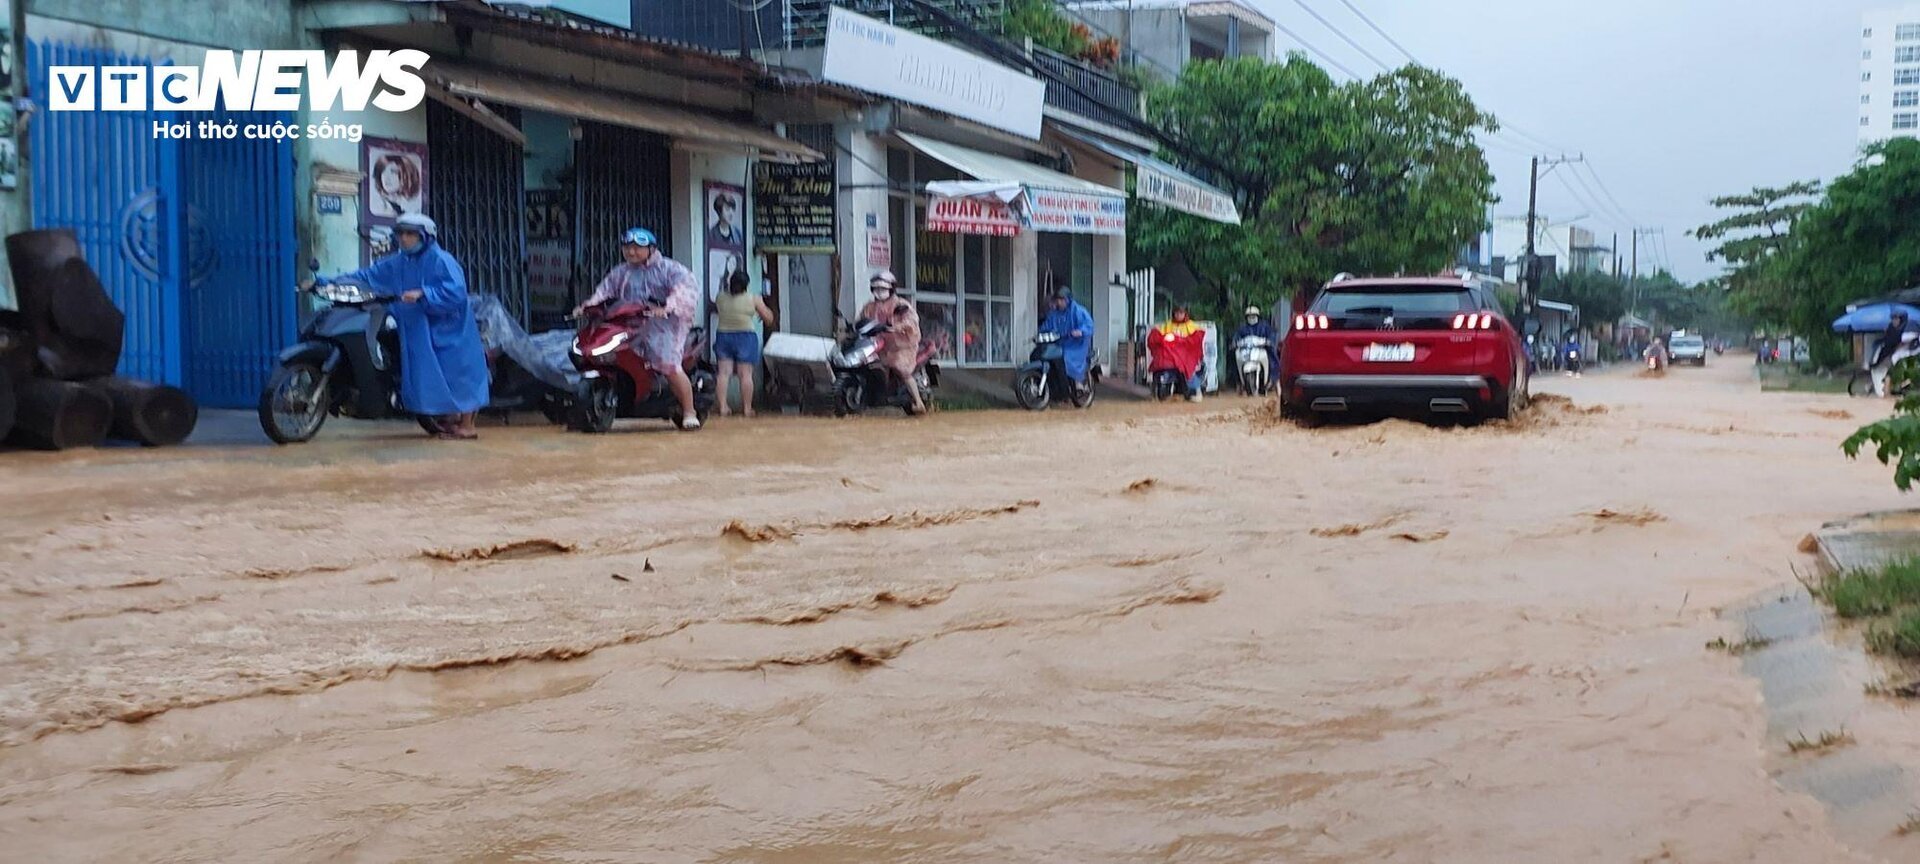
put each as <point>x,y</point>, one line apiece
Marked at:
<point>1144,633</point>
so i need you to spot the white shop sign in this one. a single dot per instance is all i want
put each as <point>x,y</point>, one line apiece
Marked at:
<point>880,58</point>
<point>1075,212</point>
<point>1151,184</point>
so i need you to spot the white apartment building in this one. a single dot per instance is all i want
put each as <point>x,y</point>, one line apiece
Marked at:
<point>1890,73</point>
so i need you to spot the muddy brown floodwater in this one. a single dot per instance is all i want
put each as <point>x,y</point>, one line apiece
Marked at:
<point>1142,633</point>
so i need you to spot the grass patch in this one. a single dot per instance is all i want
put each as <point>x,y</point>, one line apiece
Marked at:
<point>1826,741</point>
<point>1901,636</point>
<point>1781,378</point>
<point>962,401</point>
<point>1873,593</point>
<point>1749,644</point>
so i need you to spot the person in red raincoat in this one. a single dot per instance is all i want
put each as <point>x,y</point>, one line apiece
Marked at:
<point>901,344</point>
<point>1179,344</point>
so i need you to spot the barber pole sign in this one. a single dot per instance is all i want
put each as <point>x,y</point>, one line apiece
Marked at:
<point>971,216</point>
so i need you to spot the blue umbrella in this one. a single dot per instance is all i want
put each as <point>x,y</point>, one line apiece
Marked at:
<point>1873,317</point>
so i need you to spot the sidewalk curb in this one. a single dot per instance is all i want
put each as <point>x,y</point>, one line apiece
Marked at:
<point>1868,540</point>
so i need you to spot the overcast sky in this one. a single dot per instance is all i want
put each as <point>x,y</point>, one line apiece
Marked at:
<point>1674,101</point>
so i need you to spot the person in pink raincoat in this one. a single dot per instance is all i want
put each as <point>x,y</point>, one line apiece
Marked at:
<point>670,290</point>
<point>902,341</point>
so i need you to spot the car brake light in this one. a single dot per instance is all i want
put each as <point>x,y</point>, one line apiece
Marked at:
<point>1473,321</point>
<point>1311,322</point>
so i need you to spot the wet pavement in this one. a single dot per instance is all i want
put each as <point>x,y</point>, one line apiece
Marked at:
<point>1140,633</point>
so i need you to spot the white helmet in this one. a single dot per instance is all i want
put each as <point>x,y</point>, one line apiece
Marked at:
<point>416,222</point>
<point>884,279</point>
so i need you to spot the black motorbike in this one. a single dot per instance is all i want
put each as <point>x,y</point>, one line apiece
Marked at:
<point>347,363</point>
<point>860,382</point>
<point>1046,374</point>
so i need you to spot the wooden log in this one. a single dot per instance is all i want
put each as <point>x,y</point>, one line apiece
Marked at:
<point>58,415</point>
<point>76,330</point>
<point>153,414</point>
<point>7,403</point>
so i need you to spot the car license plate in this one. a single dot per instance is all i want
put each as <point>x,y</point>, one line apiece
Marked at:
<point>1378,353</point>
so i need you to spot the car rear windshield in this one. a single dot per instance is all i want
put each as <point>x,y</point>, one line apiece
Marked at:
<point>1411,307</point>
<point>1689,342</point>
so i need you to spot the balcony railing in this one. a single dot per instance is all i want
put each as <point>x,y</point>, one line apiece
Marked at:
<point>1106,99</point>
<point>803,24</point>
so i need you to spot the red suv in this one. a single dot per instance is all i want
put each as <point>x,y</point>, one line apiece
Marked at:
<point>1435,345</point>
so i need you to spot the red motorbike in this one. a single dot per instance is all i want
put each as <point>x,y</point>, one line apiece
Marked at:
<point>618,384</point>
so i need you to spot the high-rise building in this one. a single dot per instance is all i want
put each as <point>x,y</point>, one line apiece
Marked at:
<point>1890,73</point>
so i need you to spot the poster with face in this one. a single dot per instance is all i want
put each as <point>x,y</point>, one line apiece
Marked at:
<point>725,236</point>
<point>396,179</point>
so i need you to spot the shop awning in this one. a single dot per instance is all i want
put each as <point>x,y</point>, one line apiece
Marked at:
<point>607,106</point>
<point>1039,198</point>
<point>1162,183</point>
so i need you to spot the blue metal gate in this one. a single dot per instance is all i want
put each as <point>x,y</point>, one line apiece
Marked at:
<point>193,239</point>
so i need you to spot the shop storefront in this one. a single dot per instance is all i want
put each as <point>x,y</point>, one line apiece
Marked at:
<point>540,144</point>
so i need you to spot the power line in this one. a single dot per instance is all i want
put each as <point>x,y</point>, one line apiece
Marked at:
<point>1376,28</point>
<point>1340,33</point>
<point>1317,52</point>
<point>1609,193</point>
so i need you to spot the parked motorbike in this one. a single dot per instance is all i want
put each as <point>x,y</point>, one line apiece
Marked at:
<point>1656,361</point>
<point>860,382</point>
<point>347,363</point>
<point>1256,371</point>
<point>1046,373</point>
<point>619,383</point>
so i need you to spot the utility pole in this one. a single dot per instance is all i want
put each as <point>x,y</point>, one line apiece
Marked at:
<point>1530,268</point>
<point>1634,306</point>
<point>1615,249</point>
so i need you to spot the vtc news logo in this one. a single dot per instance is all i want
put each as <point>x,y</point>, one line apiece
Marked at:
<point>247,81</point>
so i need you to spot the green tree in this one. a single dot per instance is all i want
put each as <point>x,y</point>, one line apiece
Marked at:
<point>1601,297</point>
<point>1376,176</point>
<point>1754,242</point>
<point>1862,241</point>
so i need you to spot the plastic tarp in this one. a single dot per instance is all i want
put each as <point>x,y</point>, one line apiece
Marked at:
<point>544,355</point>
<point>1873,318</point>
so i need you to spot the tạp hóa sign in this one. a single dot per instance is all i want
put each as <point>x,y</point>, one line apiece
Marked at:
<point>793,208</point>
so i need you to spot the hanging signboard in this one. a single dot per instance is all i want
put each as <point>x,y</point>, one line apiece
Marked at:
<point>880,58</point>
<point>793,210</point>
<point>971,216</point>
<point>1075,212</point>
<point>1151,184</point>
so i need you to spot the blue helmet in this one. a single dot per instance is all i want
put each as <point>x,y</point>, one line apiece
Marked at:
<point>639,237</point>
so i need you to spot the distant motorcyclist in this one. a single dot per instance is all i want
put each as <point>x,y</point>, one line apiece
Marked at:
<point>443,369</point>
<point>1897,343</point>
<point>1259,327</point>
<point>1074,325</point>
<point>1571,353</point>
<point>1182,325</point>
<point>670,291</point>
<point>903,331</point>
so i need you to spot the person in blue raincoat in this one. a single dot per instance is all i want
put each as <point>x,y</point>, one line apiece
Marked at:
<point>443,367</point>
<point>1260,328</point>
<point>1075,326</point>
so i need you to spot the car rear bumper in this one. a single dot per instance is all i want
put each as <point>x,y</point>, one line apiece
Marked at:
<point>1446,394</point>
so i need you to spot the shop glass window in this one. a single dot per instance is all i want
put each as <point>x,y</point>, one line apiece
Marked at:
<point>974,251</point>
<point>1907,120</point>
<point>936,325</point>
<point>1001,326</point>
<point>900,233</point>
<point>1906,77</point>
<point>1001,285</point>
<point>1906,98</point>
<point>934,267</point>
<point>975,335</point>
<point>1906,32</point>
<point>1907,54</point>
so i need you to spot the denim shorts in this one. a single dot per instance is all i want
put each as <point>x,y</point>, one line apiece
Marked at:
<point>740,346</point>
